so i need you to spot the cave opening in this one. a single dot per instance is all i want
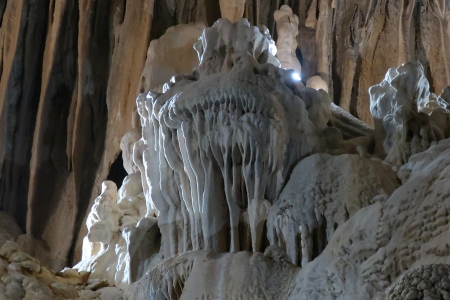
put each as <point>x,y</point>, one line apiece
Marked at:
<point>117,172</point>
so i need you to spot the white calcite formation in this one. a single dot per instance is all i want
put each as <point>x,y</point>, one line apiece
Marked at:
<point>408,118</point>
<point>314,203</point>
<point>245,185</point>
<point>121,238</point>
<point>220,142</point>
<point>169,55</point>
<point>127,145</point>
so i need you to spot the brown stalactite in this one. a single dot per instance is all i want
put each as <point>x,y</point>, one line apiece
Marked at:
<point>438,7</point>
<point>52,195</point>
<point>324,42</point>
<point>404,30</point>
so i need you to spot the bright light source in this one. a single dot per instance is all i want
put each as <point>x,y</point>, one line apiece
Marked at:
<point>296,76</point>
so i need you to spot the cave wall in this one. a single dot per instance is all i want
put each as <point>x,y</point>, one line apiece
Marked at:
<point>70,72</point>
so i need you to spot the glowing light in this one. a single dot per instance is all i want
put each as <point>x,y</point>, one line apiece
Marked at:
<point>296,76</point>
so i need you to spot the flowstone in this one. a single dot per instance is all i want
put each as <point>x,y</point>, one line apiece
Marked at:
<point>219,143</point>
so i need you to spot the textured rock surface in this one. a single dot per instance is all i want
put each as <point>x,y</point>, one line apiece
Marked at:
<point>232,10</point>
<point>323,193</point>
<point>408,118</point>
<point>69,74</point>
<point>205,275</point>
<point>386,239</point>
<point>120,236</point>
<point>9,230</point>
<point>170,55</point>
<point>430,281</point>
<point>287,30</point>
<point>372,36</point>
<point>23,277</point>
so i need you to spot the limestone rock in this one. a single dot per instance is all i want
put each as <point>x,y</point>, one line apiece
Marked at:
<point>9,248</point>
<point>235,123</point>
<point>429,281</point>
<point>311,21</point>
<point>23,277</point>
<point>66,71</point>
<point>385,240</point>
<point>9,229</point>
<point>370,41</point>
<point>399,105</point>
<point>323,192</point>
<point>121,239</point>
<point>203,274</point>
<point>64,291</point>
<point>287,30</point>
<point>126,145</point>
<point>170,55</point>
<point>316,82</point>
<point>232,10</point>
<point>25,261</point>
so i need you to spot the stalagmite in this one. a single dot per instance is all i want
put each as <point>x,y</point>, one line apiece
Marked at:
<point>170,55</point>
<point>287,30</point>
<point>439,9</point>
<point>404,30</point>
<point>311,21</point>
<point>316,82</point>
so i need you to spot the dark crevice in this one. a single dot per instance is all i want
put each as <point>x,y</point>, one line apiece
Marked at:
<point>167,19</point>
<point>93,123</point>
<point>355,87</point>
<point>2,11</point>
<point>52,11</point>
<point>319,238</point>
<point>117,172</point>
<point>212,11</point>
<point>336,80</point>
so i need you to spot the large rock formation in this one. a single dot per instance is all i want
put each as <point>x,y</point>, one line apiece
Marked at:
<point>247,173</point>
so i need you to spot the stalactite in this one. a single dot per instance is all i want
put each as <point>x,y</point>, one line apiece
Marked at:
<point>404,30</point>
<point>439,9</point>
